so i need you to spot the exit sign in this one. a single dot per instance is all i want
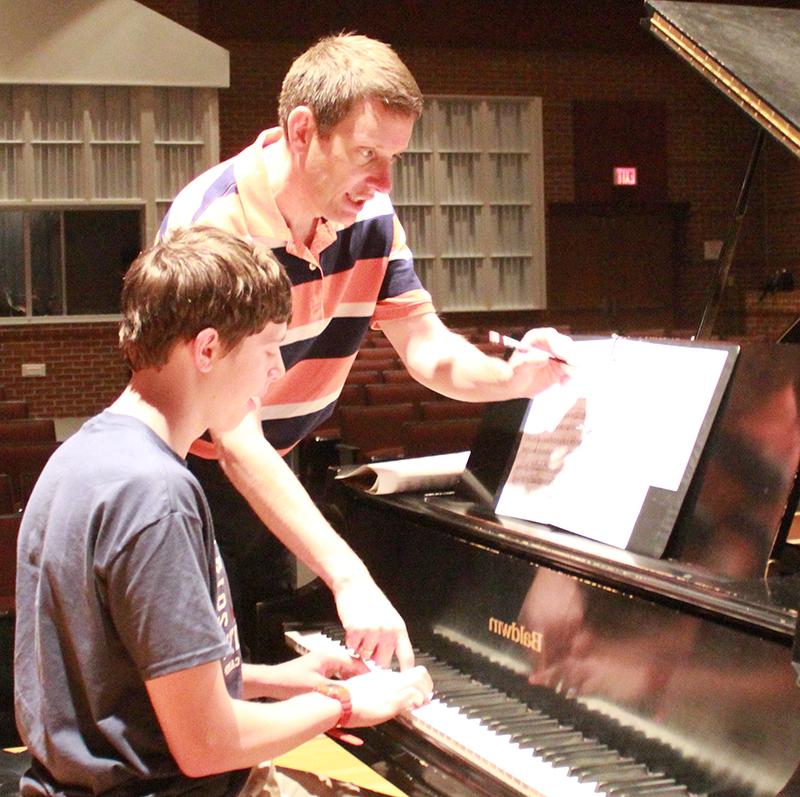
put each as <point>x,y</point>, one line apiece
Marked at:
<point>624,175</point>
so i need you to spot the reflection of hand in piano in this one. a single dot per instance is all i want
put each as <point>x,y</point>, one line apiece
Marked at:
<point>629,661</point>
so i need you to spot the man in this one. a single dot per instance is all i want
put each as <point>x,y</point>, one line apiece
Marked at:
<point>315,191</point>
<point>128,675</point>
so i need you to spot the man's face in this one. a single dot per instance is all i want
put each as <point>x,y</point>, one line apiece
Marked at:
<point>353,161</point>
<point>246,371</point>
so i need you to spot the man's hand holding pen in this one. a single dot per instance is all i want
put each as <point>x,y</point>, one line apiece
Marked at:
<point>542,358</point>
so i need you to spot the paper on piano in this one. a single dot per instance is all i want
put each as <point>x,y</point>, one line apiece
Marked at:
<point>437,472</point>
<point>623,436</point>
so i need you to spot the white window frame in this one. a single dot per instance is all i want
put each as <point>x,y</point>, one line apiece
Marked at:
<point>467,174</point>
<point>164,138</point>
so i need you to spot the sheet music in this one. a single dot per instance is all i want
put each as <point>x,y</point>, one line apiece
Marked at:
<point>629,420</point>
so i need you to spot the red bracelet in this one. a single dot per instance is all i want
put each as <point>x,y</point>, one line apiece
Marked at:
<point>340,693</point>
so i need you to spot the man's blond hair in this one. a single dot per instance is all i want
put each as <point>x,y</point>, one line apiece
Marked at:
<point>199,277</point>
<point>340,71</point>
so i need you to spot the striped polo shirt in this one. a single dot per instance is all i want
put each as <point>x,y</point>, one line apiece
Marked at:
<point>348,279</point>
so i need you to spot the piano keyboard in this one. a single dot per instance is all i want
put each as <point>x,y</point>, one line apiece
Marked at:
<point>522,747</point>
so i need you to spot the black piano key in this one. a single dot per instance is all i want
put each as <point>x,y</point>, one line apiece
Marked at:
<point>521,724</point>
<point>564,756</point>
<point>630,779</point>
<point>499,711</point>
<point>577,762</point>
<point>538,738</point>
<point>459,682</point>
<point>591,773</point>
<point>676,790</point>
<point>436,662</point>
<point>473,698</point>
<point>549,741</point>
<point>454,691</point>
<point>645,788</point>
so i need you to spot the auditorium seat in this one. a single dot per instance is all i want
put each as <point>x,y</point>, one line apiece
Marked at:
<point>351,395</point>
<point>6,495</point>
<point>373,432</point>
<point>376,339</point>
<point>362,377</point>
<point>23,462</point>
<point>375,365</point>
<point>377,353</point>
<point>9,772</point>
<point>400,392</point>
<point>27,430</point>
<point>442,410</point>
<point>9,529</point>
<point>423,438</point>
<point>397,375</point>
<point>318,450</point>
<point>14,408</point>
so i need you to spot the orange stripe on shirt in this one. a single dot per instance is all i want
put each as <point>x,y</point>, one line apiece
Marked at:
<point>397,307</point>
<point>317,377</point>
<point>359,284</point>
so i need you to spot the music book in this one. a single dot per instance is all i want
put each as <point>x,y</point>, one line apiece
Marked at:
<point>436,472</point>
<point>610,454</point>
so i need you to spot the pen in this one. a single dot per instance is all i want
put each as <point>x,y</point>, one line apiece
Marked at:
<point>513,343</point>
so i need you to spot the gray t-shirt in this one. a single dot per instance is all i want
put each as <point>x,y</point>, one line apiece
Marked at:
<point>118,580</point>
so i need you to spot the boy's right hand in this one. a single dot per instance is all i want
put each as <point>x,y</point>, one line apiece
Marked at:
<point>382,694</point>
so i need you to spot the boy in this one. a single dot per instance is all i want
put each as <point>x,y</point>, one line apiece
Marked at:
<point>128,672</point>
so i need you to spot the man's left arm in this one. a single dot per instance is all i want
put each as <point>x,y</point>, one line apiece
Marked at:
<point>452,366</point>
<point>374,628</point>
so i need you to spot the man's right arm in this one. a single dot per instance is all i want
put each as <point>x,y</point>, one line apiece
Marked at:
<point>374,628</point>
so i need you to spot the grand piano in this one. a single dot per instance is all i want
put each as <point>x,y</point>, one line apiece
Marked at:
<point>568,667</point>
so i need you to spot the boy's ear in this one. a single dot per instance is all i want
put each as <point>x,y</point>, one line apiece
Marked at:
<point>206,348</point>
<point>300,128</point>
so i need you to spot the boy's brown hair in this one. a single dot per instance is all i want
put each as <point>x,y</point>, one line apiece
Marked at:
<point>199,277</point>
<point>339,71</point>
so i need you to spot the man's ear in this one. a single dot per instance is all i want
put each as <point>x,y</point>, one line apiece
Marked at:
<point>300,128</point>
<point>206,349</point>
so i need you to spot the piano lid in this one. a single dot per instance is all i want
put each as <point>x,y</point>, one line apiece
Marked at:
<point>750,54</point>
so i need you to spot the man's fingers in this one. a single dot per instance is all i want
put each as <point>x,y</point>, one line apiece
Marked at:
<point>382,654</point>
<point>404,651</point>
<point>380,646</point>
<point>362,643</point>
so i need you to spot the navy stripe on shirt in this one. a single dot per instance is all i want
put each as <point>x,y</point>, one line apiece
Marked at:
<point>401,279</point>
<point>341,338</point>
<point>285,432</point>
<point>364,240</point>
<point>224,184</point>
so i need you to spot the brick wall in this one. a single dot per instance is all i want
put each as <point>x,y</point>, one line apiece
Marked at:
<point>708,145</point>
<point>85,370</point>
<point>769,315</point>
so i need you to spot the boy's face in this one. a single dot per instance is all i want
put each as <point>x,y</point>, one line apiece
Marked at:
<point>245,372</point>
<point>354,160</point>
